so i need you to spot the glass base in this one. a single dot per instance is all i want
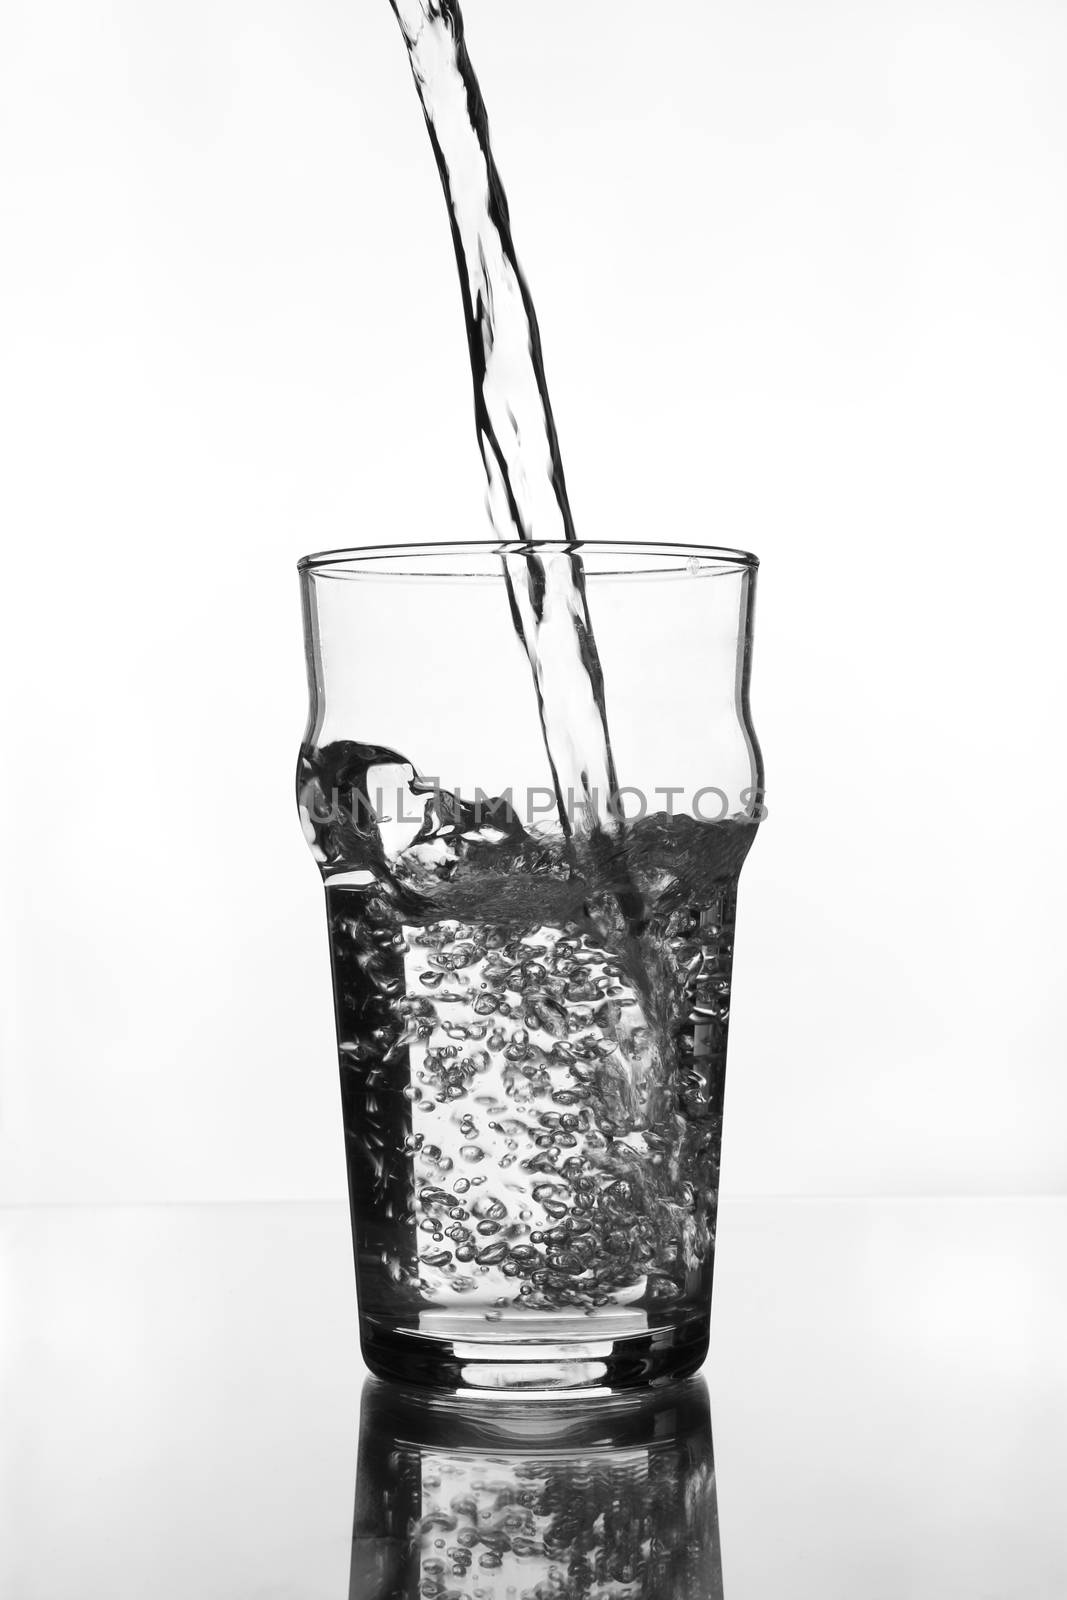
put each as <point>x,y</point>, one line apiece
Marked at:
<point>506,1365</point>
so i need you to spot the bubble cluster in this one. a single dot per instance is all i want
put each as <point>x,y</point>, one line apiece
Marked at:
<point>538,1109</point>
<point>532,1036</point>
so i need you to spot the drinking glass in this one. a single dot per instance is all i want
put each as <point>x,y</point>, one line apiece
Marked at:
<point>530,780</point>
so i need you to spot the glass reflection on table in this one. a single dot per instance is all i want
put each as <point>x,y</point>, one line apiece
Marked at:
<point>609,1498</point>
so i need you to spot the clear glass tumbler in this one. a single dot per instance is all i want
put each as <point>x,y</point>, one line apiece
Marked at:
<point>530,780</point>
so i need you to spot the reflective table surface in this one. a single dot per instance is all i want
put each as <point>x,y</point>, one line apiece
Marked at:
<point>183,1412</point>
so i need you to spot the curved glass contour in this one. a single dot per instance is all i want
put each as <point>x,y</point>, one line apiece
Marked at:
<point>530,779</point>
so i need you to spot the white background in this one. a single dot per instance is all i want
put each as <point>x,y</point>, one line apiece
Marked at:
<point>800,270</point>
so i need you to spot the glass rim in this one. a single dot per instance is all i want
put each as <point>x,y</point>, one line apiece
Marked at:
<point>461,557</point>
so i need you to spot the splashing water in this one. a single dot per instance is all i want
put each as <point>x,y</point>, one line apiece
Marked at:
<point>513,414</point>
<point>532,1091</point>
<point>528,496</point>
